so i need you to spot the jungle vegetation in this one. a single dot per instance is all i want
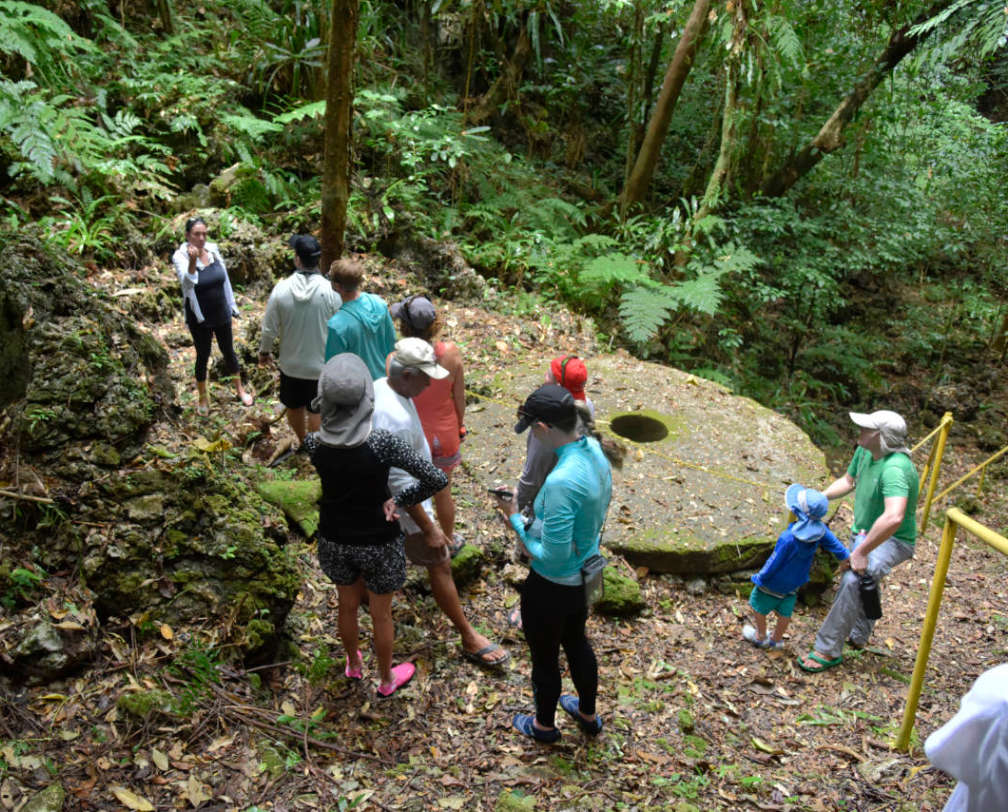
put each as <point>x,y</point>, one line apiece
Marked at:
<point>804,200</point>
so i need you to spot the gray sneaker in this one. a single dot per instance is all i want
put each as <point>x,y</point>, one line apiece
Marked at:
<point>750,635</point>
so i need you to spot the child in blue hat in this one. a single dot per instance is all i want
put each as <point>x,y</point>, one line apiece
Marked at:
<point>788,568</point>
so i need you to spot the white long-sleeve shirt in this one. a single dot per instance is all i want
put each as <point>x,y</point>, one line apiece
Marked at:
<point>180,259</point>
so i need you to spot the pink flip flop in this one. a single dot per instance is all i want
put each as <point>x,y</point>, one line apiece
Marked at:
<point>355,673</point>
<point>401,674</point>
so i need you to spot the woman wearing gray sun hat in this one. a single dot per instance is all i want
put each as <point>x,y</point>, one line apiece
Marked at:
<point>359,540</point>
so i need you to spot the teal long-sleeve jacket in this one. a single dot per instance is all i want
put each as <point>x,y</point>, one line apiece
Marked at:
<point>570,510</point>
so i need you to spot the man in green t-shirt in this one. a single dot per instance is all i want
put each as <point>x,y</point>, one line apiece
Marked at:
<point>884,482</point>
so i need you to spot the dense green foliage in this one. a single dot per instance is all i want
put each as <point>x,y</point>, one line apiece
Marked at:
<point>519,153</point>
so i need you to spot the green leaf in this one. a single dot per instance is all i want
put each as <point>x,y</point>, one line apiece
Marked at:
<point>643,311</point>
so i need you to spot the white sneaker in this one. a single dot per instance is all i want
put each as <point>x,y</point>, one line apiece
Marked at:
<point>750,634</point>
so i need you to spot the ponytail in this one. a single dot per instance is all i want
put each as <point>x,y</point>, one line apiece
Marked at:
<point>614,450</point>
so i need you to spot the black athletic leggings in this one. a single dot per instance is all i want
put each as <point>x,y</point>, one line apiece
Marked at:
<point>554,615</point>
<point>202,335</point>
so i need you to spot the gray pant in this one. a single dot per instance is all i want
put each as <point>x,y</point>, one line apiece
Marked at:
<point>846,618</point>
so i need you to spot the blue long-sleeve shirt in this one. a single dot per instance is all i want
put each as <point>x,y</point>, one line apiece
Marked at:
<point>788,567</point>
<point>570,510</point>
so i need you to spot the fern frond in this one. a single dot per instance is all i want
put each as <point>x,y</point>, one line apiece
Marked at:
<point>312,110</point>
<point>643,311</point>
<point>615,269</point>
<point>785,41</point>
<point>251,126</point>
<point>595,242</point>
<point>703,293</point>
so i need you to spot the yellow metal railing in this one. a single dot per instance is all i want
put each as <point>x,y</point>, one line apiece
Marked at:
<point>954,519</point>
<point>932,467</point>
<point>982,468</point>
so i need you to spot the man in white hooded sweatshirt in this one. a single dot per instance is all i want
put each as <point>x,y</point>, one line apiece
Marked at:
<point>296,315</point>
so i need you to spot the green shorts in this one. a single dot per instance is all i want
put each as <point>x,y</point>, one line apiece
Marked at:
<point>764,603</point>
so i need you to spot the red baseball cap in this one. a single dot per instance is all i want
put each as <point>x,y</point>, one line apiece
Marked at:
<point>571,373</point>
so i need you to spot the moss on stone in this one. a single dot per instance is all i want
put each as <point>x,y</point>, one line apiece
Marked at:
<point>622,596</point>
<point>298,499</point>
<point>467,565</point>
<point>145,705</point>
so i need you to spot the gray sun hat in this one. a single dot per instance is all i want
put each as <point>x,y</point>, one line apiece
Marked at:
<point>345,401</point>
<point>417,311</point>
<point>891,427</point>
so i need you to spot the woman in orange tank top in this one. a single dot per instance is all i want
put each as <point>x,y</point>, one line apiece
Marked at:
<point>441,405</point>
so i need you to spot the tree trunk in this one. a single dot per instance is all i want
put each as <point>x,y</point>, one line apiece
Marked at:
<point>633,127</point>
<point>831,137</point>
<point>675,78</point>
<point>507,83</point>
<point>720,176</point>
<point>338,119</point>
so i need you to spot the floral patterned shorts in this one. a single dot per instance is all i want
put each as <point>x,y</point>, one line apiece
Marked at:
<point>382,566</point>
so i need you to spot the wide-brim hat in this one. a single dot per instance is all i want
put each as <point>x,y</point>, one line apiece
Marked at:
<point>345,401</point>
<point>809,506</point>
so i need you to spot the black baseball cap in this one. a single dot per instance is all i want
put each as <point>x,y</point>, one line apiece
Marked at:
<point>307,248</point>
<point>549,404</point>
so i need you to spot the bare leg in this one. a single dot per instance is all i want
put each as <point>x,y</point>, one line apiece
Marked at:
<point>384,632</point>
<point>444,506</point>
<point>780,627</point>
<point>759,621</point>
<point>446,595</point>
<point>243,396</point>
<point>314,421</point>
<point>349,603</point>
<point>296,420</point>
<point>201,390</point>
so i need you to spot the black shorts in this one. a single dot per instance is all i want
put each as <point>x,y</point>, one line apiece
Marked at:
<point>382,566</point>
<point>297,393</point>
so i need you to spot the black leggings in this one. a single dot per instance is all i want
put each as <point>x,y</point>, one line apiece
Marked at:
<point>202,336</point>
<point>554,615</point>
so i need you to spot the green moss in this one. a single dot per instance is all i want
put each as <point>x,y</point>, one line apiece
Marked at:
<point>145,705</point>
<point>298,499</point>
<point>258,633</point>
<point>622,596</point>
<point>685,720</point>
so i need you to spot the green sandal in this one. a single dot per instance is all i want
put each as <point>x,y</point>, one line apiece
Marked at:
<point>823,663</point>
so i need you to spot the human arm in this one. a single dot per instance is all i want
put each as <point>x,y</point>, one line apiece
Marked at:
<point>228,292</point>
<point>558,507</point>
<point>452,361</point>
<point>539,461</point>
<point>883,528</point>
<point>839,487</point>
<point>834,546</point>
<point>426,480</point>
<point>270,328</point>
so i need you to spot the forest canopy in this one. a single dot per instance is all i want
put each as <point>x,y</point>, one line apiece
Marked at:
<point>720,184</point>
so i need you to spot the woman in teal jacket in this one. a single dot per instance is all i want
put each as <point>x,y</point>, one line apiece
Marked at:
<point>570,510</point>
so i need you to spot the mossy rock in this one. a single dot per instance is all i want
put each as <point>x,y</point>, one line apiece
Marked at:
<point>297,498</point>
<point>622,596</point>
<point>467,565</point>
<point>145,706</point>
<point>51,799</point>
<point>511,800</point>
<point>701,491</point>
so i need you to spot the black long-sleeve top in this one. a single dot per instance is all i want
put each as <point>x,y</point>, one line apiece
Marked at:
<point>355,486</point>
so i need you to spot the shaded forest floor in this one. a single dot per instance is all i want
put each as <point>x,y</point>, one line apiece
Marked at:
<point>694,716</point>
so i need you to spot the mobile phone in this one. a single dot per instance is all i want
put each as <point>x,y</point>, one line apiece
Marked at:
<point>501,491</point>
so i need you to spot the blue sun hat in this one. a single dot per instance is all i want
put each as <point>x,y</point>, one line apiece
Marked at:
<point>809,506</point>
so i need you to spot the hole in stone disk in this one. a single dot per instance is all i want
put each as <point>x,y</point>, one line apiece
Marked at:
<point>639,428</point>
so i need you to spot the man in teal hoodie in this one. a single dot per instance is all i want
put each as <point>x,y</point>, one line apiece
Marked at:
<point>363,325</point>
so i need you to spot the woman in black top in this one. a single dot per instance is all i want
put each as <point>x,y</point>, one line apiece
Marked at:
<point>209,305</point>
<point>359,541</point>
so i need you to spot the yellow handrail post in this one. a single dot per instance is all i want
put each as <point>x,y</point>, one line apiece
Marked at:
<point>927,633</point>
<point>939,451</point>
<point>980,482</point>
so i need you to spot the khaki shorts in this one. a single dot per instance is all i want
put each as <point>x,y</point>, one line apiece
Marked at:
<point>423,555</point>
